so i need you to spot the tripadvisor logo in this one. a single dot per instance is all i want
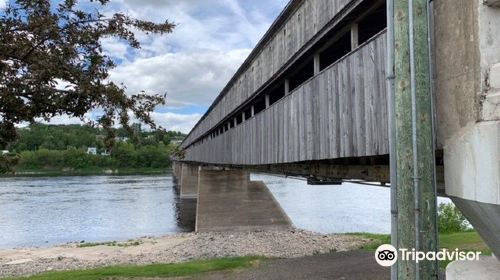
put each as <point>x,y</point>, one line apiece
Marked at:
<point>387,255</point>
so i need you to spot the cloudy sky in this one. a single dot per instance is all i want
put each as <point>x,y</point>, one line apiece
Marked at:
<point>193,64</point>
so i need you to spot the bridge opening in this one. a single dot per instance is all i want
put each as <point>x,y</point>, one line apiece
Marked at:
<point>239,119</point>
<point>259,105</point>
<point>335,51</point>
<point>305,72</point>
<point>277,93</point>
<point>372,24</point>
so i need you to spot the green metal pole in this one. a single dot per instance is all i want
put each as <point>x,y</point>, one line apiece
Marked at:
<point>414,143</point>
<point>403,126</point>
<point>425,139</point>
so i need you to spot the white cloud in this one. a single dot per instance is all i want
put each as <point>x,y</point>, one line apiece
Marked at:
<point>64,120</point>
<point>3,4</point>
<point>195,62</point>
<point>188,78</point>
<point>169,121</point>
<point>218,25</point>
<point>176,122</point>
<point>114,48</point>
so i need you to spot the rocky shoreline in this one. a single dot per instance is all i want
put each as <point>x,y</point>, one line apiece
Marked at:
<point>173,249</point>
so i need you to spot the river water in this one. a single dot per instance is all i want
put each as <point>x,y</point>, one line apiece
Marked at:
<point>56,210</point>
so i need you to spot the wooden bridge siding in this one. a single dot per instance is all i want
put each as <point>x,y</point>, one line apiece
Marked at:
<point>341,112</point>
<point>302,25</point>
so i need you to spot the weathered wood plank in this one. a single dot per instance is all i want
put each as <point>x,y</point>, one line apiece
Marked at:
<point>341,112</point>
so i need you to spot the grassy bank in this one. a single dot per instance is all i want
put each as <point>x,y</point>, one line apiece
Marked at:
<point>150,271</point>
<point>463,241</point>
<point>87,172</point>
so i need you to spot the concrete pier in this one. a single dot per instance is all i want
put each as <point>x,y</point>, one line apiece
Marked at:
<point>229,201</point>
<point>189,181</point>
<point>176,172</point>
<point>186,214</point>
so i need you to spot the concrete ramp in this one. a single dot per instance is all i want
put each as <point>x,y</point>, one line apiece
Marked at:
<point>228,201</point>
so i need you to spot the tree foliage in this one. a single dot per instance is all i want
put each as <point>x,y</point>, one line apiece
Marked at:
<point>64,147</point>
<point>124,155</point>
<point>451,219</point>
<point>63,137</point>
<point>52,63</point>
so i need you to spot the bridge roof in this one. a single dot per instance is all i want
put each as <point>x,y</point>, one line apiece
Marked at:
<point>275,26</point>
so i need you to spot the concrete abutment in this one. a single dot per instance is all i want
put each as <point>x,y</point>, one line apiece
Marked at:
<point>227,200</point>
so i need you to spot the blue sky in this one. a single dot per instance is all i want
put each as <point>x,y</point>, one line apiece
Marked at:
<point>195,62</point>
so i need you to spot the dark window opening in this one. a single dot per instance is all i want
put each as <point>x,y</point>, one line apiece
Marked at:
<point>248,113</point>
<point>239,119</point>
<point>259,105</point>
<point>304,74</point>
<point>335,52</point>
<point>372,24</point>
<point>277,93</point>
<point>231,123</point>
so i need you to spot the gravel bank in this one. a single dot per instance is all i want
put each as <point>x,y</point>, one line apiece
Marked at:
<point>174,248</point>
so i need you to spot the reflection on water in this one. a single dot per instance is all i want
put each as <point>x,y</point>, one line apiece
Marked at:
<point>47,211</point>
<point>186,214</point>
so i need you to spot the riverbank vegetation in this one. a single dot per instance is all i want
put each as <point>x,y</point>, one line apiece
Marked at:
<point>455,232</point>
<point>81,150</point>
<point>150,271</point>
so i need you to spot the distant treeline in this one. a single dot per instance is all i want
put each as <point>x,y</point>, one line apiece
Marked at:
<point>65,147</point>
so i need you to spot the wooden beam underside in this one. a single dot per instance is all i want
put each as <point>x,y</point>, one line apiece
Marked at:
<point>326,171</point>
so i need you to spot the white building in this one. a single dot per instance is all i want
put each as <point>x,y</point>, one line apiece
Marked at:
<point>92,151</point>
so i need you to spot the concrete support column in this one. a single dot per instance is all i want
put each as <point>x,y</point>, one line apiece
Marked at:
<point>176,171</point>
<point>472,176</point>
<point>287,86</point>
<point>189,181</point>
<point>491,103</point>
<point>268,103</point>
<point>229,201</point>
